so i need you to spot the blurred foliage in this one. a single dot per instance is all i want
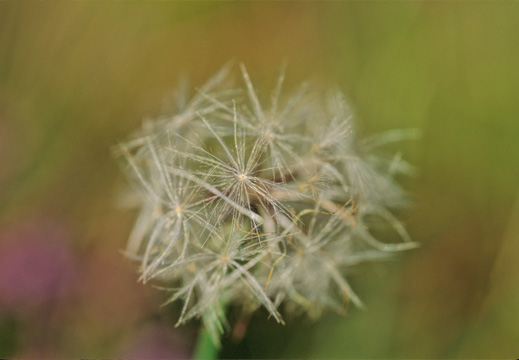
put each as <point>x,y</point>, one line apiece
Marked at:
<point>76,78</point>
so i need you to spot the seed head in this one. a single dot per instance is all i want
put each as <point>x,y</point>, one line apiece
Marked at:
<point>256,204</point>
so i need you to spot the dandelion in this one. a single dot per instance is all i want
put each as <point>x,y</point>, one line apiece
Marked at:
<point>259,204</point>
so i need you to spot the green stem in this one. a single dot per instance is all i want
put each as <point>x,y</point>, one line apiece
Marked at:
<point>213,325</point>
<point>205,348</point>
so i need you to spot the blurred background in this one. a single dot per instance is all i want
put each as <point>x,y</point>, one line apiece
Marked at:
<point>76,78</point>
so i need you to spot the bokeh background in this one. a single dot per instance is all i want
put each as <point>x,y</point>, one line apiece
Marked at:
<point>76,78</point>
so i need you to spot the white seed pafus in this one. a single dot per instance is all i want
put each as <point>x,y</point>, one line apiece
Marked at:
<point>259,204</point>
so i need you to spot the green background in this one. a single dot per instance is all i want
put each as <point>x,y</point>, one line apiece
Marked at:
<point>76,78</point>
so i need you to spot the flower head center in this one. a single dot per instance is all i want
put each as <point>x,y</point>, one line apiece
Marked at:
<point>191,267</point>
<point>178,210</point>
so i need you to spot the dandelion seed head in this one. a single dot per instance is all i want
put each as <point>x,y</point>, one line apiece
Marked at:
<point>259,203</point>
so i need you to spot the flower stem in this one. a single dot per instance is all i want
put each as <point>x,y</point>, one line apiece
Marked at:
<point>205,348</point>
